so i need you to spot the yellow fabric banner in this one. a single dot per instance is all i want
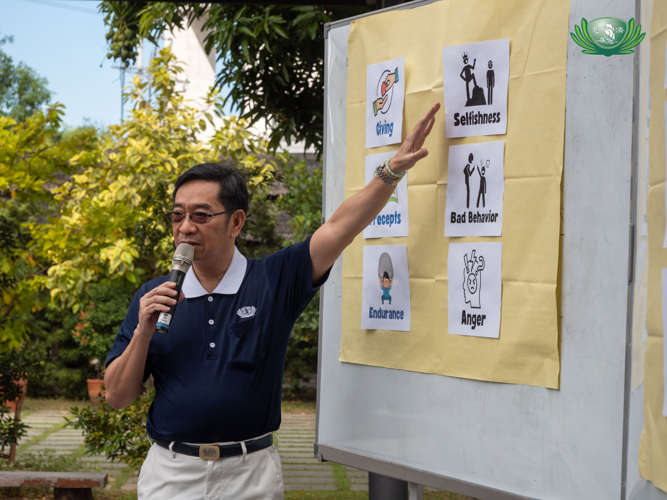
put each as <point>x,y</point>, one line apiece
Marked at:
<point>527,351</point>
<point>653,447</point>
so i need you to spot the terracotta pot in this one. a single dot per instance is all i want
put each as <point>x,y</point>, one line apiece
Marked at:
<point>24,387</point>
<point>94,390</point>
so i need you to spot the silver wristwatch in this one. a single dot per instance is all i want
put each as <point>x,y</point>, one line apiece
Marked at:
<point>383,175</point>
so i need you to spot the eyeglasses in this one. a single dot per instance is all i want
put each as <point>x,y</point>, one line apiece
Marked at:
<point>176,217</point>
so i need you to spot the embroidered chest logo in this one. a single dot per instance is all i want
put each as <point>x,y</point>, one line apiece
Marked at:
<point>246,312</point>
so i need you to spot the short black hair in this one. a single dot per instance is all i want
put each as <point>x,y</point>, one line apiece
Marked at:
<point>385,276</point>
<point>233,192</point>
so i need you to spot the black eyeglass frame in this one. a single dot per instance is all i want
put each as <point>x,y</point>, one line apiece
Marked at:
<point>170,215</point>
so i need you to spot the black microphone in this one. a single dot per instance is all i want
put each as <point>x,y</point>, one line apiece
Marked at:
<point>180,263</point>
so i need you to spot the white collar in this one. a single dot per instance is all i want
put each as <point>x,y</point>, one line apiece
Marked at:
<point>229,284</point>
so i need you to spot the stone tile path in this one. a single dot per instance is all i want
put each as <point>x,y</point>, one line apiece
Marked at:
<point>301,471</point>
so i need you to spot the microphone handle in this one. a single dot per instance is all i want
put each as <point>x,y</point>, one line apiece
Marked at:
<point>164,320</point>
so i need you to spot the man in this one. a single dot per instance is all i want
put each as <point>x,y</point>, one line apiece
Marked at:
<point>468,170</point>
<point>218,372</point>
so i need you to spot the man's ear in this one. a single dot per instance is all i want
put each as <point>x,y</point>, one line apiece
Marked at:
<point>236,223</point>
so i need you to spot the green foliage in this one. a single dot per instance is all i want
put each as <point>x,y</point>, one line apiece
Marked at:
<point>63,367</point>
<point>303,203</point>
<point>31,164</point>
<point>100,320</point>
<point>22,90</point>
<point>273,56</point>
<point>119,434</point>
<point>122,37</point>
<point>96,199</point>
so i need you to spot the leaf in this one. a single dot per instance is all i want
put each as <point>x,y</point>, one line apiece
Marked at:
<point>246,31</point>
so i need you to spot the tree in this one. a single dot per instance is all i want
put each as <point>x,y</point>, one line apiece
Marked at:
<point>273,56</point>
<point>22,90</point>
<point>100,197</point>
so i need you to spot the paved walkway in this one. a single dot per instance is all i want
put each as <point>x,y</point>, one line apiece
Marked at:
<point>301,470</point>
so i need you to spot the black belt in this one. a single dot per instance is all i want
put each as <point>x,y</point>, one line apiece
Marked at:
<point>213,452</point>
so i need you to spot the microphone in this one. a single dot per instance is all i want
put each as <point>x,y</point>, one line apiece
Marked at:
<point>180,263</point>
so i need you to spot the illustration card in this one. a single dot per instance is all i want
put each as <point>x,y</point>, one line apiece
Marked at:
<point>393,220</point>
<point>385,303</point>
<point>475,190</point>
<point>474,289</point>
<point>385,94</point>
<point>476,77</point>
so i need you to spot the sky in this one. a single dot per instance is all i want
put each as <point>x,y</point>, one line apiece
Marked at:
<point>64,42</point>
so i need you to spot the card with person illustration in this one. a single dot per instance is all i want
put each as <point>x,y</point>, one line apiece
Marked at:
<point>385,302</point>
<point>475,82</point>
<point>475,189</point>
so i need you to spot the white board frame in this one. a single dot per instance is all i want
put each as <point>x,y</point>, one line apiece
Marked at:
<point>573,443</point>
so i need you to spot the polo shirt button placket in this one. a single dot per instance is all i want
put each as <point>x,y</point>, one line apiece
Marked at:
<point>210,298</point>
<point>211,354</point>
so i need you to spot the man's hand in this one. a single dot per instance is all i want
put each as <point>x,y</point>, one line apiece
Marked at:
<point>411,151</point>
<point>156,301</point>
<point>124,376</point>
<point>358,211</point>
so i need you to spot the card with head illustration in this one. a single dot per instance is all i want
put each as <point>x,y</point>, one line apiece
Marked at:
<point>385,95</point>
<point>474,282</point>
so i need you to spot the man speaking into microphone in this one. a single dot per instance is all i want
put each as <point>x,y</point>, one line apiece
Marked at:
<point>218,367</point>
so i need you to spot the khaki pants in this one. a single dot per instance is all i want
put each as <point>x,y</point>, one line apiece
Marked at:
<point>169,476</point>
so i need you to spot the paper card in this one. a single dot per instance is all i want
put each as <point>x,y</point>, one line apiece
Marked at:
<point>474,289</point>
<point>393,220</point>
<point>385,94</point>
<point>475,190</point>
<point>664,338</point>
<point>476,77</point>
<point>385,303</point>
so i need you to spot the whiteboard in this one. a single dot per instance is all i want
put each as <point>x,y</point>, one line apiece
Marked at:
<point>501,441</point>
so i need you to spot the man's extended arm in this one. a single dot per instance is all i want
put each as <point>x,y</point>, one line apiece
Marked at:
<point>123,378</point>
<point>357,212</point>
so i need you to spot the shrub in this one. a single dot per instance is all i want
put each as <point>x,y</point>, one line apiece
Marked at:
<point>119,434</point>
<point>99,322</point>
<point>303,203</point>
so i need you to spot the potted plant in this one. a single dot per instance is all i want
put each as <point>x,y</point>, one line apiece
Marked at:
<point>97,328</point>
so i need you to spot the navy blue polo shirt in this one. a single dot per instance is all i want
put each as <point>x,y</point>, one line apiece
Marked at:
<point>218,372</point>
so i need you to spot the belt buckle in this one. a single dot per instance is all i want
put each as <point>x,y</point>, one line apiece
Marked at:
<point>208,452</point>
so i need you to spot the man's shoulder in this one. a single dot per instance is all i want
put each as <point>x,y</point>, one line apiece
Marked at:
<point>280,253</point>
